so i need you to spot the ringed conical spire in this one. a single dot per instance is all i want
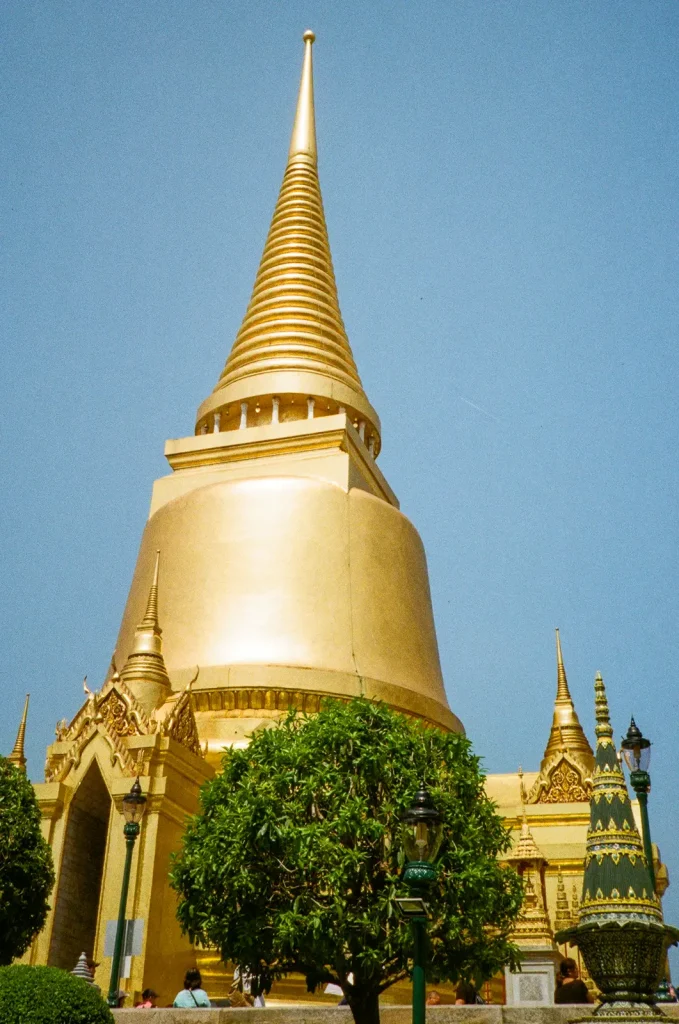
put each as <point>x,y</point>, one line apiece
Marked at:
<point>291,358</point>
<point>617,879</point>
<point>18,756</point>
<point>144,671</point>
<point>566,735</point>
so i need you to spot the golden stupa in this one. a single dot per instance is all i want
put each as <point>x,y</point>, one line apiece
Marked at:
<point>288,571</point>
<point>275,569</point>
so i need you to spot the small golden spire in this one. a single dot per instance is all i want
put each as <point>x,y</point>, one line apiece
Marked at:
<point>144,671</point>
<point>292,345</point>
<point>18,756</point>
<point>562,691</point>
<point>522,797</point>
<point>303,141</point>
<point>566,735</point>
<point>526,848</point>
<point>150,620</point>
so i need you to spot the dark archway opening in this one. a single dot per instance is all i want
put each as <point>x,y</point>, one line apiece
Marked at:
<point>82,865</point>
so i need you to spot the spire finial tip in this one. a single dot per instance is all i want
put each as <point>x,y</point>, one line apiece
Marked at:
<point>309,36</point>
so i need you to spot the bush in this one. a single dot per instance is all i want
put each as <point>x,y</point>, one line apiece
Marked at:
<point>47,995</point>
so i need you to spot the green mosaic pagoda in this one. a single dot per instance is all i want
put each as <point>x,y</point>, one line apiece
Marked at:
<point>617,878</point>
<point>620,932</point>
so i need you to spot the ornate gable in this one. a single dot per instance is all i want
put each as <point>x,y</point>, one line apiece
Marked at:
<point>177,720</point>
<point>563,780</point>
<point>117,715</point>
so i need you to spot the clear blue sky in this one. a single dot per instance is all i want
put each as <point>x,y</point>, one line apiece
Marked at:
<point>500,182</point>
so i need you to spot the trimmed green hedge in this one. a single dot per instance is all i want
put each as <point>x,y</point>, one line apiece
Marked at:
<point>47,995</point>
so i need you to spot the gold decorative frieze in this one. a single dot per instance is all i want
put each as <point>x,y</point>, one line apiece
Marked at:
<point>234,702</point>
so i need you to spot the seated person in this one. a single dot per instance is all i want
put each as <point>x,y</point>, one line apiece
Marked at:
<point>192,994</point>
<point>569,987</point>
<point>465,994</point>
<point>148,999</point>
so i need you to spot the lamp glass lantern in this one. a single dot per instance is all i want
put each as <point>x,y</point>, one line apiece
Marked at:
<point>636,749</point>
<point>134,805</point>
<point>422,829</point>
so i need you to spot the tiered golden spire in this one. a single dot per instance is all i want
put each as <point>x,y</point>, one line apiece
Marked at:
<point>144,671</point>
<point>566,734</point>
<point>526,849</point>
<point>18,755</point>
<point>292,345</point>
<point>532,926</point>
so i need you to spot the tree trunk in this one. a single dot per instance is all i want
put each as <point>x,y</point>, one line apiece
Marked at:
<point>365,1007</point>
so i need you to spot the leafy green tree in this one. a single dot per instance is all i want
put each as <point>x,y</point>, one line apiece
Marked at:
<point>295,860</point>
<point>26,872</point>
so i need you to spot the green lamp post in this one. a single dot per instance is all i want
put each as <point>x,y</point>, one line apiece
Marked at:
<point>422,833</point>
<point>134,804</point>
<point>636,750</point>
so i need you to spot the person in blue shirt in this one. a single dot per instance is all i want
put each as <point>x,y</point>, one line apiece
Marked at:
<point>192,994</point>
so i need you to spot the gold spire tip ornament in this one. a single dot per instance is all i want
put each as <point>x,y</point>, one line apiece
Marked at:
<point>303,141</point>
<point>150,620</point>
<point>144,671</point>
<point>562,691</point>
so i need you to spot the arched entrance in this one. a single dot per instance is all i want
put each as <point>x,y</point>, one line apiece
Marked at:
<point>82,864</point>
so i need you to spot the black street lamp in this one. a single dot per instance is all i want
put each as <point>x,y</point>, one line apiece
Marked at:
<point>422,834</point>
<point>636,750</point>
<point>134,804</point>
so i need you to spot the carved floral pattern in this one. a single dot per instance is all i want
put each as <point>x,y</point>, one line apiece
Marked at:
<point>564,782</point>
<point>184,730</point>
<point>115,713</point>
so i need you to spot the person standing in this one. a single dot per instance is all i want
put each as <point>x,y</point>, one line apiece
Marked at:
<point>192,994</point>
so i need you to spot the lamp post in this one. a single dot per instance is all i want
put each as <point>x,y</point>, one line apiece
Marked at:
<point>636,750</point>
<point>421,840</point>
<point>134,804</point>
